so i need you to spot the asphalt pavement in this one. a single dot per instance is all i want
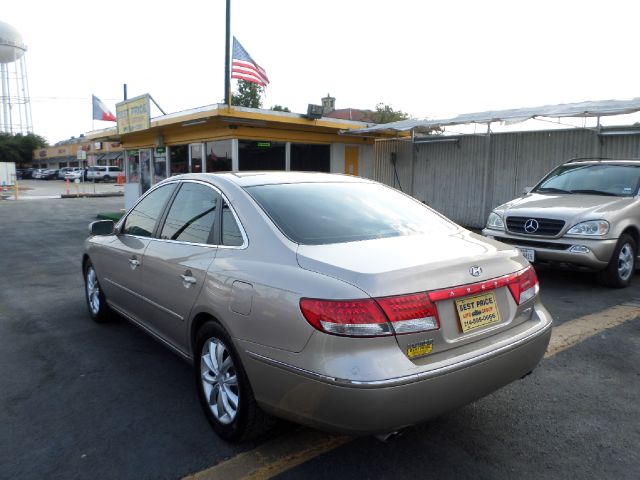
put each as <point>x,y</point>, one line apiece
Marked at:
<point>82,400</point>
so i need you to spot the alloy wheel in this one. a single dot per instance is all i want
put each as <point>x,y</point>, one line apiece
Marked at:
<point>93,291</point>
<point>625,262</point>
<point>219,380</point>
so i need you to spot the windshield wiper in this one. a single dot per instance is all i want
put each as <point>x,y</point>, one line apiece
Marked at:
<point>552,189</point>
<point>594,192</point>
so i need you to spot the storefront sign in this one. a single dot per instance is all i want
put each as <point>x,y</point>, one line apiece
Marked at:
<point>134,115</point>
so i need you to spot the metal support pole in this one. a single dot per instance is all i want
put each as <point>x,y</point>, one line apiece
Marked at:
<point>227,59</point>
<point>486,199</point>
<point>413,163</point>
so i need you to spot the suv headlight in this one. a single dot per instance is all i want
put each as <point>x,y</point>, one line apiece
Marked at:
<point>495,221</point>
<point>592,227</point>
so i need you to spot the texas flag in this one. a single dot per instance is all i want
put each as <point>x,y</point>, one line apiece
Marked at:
<point>101,112</point>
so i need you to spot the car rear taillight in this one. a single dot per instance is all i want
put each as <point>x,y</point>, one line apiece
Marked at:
<point>354,318</point>
<point>372,317</point>
<point>524,285</point>
<point>410,313</point>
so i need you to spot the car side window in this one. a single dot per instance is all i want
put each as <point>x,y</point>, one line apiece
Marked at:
<point>192,215</point>
<point>142,219</point>
<point>231,235</point>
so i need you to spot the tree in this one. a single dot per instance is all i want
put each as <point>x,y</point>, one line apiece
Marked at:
<point>19,148</point>
<point>249,95</point>
<point>385,114</point>
<point>280,108</point>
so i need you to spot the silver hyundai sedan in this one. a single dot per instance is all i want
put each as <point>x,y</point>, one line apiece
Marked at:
<point>330,300</point>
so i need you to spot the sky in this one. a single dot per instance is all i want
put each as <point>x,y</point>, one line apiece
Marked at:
<point>429,59</point>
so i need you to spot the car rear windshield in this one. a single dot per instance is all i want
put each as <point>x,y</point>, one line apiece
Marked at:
<point>593,179</point>
<point>324,213</point>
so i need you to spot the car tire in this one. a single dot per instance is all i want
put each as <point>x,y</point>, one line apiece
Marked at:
<point>99,311</point>
<point>621,268</point>
<point>223,387</point>
<point>106,179</point>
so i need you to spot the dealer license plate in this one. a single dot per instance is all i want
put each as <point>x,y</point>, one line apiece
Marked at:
<point>420,349</point>
<point>528,253</point>
<point>477,311</point>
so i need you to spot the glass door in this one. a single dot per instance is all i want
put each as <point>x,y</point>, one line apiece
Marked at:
<point>145,169</point>
<point>195,158</point>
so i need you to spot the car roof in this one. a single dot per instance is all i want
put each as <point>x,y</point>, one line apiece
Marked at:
<point>602,161</point>
<point>250,178</point>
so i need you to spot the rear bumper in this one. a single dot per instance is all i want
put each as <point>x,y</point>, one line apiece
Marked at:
<point>558,250</point>
<point>383,405</point>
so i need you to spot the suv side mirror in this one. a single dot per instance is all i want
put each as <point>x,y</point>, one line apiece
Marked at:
<point>102,227</point>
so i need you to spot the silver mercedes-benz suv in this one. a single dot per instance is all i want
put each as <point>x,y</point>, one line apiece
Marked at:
<point>585,213</point>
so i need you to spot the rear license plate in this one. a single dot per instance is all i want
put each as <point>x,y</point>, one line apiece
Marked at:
<point>477,311</point>
<point>528,253</point>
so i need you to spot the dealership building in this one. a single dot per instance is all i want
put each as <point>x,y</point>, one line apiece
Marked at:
<point>228,138</point>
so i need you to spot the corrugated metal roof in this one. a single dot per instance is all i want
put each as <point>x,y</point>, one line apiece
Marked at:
<point>600,108</point>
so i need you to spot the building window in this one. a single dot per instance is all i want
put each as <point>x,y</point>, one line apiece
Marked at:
<point>133,166</point>
<point>218,156</point>
<point>159,164</point>
<point>179,159</point>
<point>310,158</point>
<point>261,155</point>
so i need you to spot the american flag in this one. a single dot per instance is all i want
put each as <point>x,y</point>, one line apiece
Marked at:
<point>244,68</point>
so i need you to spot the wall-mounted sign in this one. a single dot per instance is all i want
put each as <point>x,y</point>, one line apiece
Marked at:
<point>134,115</point>
<point>161,151</point>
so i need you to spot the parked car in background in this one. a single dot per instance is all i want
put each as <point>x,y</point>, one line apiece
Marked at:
<point>38,173</point>
<point>330,300</point>
<point>63,171</point>
<point>75,173</point>
<point>49,174</point>
<point>585,213</point>
<point>105,173</point>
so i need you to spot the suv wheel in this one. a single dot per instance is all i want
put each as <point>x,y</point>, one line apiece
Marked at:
<point>223,387</point>
<point>622,265</point>
<point>106,179</point>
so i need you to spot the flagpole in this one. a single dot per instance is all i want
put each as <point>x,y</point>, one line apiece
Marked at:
<point>227,60</point>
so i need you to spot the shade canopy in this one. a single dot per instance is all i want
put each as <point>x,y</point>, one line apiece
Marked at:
<point>599,108</point>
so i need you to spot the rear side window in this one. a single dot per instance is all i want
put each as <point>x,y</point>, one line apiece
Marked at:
<point>324,213</point>
<point>231,235</point>
<point>142,219</point>
<point>192,214</point>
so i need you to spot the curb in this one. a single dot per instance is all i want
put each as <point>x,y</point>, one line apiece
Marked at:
<point>92,195</point>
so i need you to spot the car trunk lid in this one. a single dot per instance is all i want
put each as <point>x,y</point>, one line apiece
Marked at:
<point>465,274</point>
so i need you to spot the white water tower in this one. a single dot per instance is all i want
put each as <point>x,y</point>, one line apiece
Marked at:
<point>15,111</point>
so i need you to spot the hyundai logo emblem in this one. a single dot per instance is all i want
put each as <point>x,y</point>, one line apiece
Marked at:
<point>475,271</point>
<point>531,225</point>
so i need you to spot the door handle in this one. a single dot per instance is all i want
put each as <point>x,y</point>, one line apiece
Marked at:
<point>134,263</point>
<point>188,280</point>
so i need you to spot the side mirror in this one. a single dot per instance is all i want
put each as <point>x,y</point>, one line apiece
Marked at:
<point>527,190</point>
<point>102,227</point>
